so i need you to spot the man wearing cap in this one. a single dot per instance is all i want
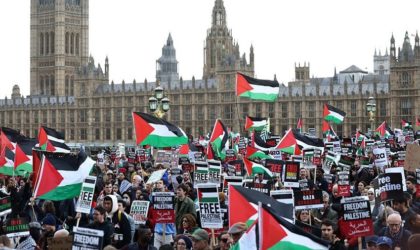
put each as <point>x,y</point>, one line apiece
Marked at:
<point>48,228</point>
<point>236,231</point>
<point>371,242</point>
<point>200,239</point>
<point>384,243</point>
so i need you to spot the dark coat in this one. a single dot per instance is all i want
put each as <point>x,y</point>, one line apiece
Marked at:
<point>185,206</point>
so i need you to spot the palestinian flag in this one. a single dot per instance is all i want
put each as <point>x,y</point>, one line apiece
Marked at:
<point>218,141</point>
<point>246,201</point>
<point>277,233</point>
<point>23,155</point>
<point>384,130</point>
<point>405,124</point>
<point>6,162</point>
<point>184,150</point>
<point>361,149</point>
<point>328,131</point>
<point>207,194</point>
<point>201,167</point>
<point>253,153</point>
<point>157,132</point>
<point>308,142</point>
<point>254,168</point>
<point>360,136</point>
<point>333,114</point>
<point>61,176</point>
<point>255,123</point>
<point>256,89</point>
<point>288,144</point>
<point>248,240</point>
<point>258,143</point>
<point>299,125</point>
<point>51,140</point>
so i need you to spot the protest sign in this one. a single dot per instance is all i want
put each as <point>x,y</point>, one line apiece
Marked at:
<point>412,157</point>
<point>291,174</point>
<point>198,156</point>
<point>346,162</point>
<point>331,158</point>
<point>307,199</point>
<point>163,207</point>
<point>284,196</point>
<point>201,173</point>
<point>84,203</point>
<point>87,239</point>
<point>232,180</point>
<point>187,167</point>
<point>208,200</point>
<point>381,159</point>
<point>215,171</point>
<point>141,155</point>
<point>343,184</point>
<point>357,220</point>
<point>390,186</point>
<point>275,166</point>
<point>230,155</point>
<point>263,186</point>
<point>121,149</point>
<point>5,206</point>
<point>336,146</point>
<point>60,243</point>
<point>239,166</point>
<point>175,172</point>
<point>275,153</point>
<point>316,159</point>
<point>155,176</point>
<point>399,170</point>
<point>139,210</point>
<point>242,146</point>
<point>16,227</point>
<point>329,179</point>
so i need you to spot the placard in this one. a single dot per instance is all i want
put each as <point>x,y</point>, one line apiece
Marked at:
<point>390,186</point>
<point>264,186</point>
<point>357,220</point>
<point>208,200</point>
<point>284,196</point>
<point>215,171</point>
<point>343,183</point>
<point>232,180</point>
<point>84,203</point>
<point>5,206</point>
<point>412,157</point>
<point>308,199</point>
<point>230,155</point>
<point>275,153</point>
<point>201,173</point>
<point>16,227</point>
<point>275,166</point>
<point>291,174</point>
<point>346,162</point>
<point>87,239</point>
<point>399,170</point>
<point>139,210</point>
<point>381,159</point>
<point>163,207</point>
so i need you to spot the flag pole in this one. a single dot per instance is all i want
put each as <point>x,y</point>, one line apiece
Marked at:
<point>237,103</point>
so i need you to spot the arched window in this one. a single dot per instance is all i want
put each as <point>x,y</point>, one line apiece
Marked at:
<point>67,42</point>
<point>67,85</point>
<point>72,44</point>
<point>52,87</point>
<point>52,42</point>
<point>47,43</point>
<point>41,44</point>
<point>77,44</point>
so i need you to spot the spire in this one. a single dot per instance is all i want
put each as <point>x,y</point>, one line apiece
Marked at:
<point>392,47</point>
<point>375,53</point>
<point>169,42</point>
<point>106,67</point>
<point>251,56</point>
<point>219,14</point>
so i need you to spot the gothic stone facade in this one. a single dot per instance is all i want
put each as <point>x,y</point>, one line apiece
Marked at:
<point>72,94</point>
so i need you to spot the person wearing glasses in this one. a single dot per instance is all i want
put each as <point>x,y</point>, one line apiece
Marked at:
<point>224,241</point>
<point>395,231</point>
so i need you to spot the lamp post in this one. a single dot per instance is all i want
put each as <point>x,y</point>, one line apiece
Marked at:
<point>371,109</point>
<point>158,103</point>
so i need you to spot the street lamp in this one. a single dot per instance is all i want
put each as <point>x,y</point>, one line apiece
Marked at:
<point>159,104</point>
<point>371,109</point>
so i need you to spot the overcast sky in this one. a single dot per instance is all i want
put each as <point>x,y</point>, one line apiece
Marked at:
<point>326,33</point>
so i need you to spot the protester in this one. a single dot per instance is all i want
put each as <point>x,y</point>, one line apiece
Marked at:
<point>101,223</point>
<point>189,224</point>
<point>144,240</point>
<point>182,242</point>
<point>395,231</point>
<point>236,231</point>
<point>327,233</point>
<point>200,240</point>
<point>183,205</point>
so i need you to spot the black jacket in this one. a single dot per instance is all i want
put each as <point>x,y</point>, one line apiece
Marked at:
<point>106,227</point>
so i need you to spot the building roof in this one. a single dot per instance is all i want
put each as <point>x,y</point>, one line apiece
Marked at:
<point>353,69</point>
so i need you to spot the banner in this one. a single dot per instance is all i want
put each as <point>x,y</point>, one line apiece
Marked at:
<point>5,206</point>
<point>84,203</point>
<point>16,227</point>
<point>215,171</point>
<point>291,174</point>
<point>357,220</point>
<point>139,210</point>
<point>381,159</point>
<point>201,173</point>
<point>208,200</point>
<point>343,184</point>
<point>275,166</point>
<point>308,199</point>
<point>390,186</point>
<point>163,207</point>
<point>87,239</point>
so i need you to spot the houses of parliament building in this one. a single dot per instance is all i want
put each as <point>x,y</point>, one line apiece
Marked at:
<point>73,94</point>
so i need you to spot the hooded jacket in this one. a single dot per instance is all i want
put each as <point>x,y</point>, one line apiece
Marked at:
<point>120,222</point>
